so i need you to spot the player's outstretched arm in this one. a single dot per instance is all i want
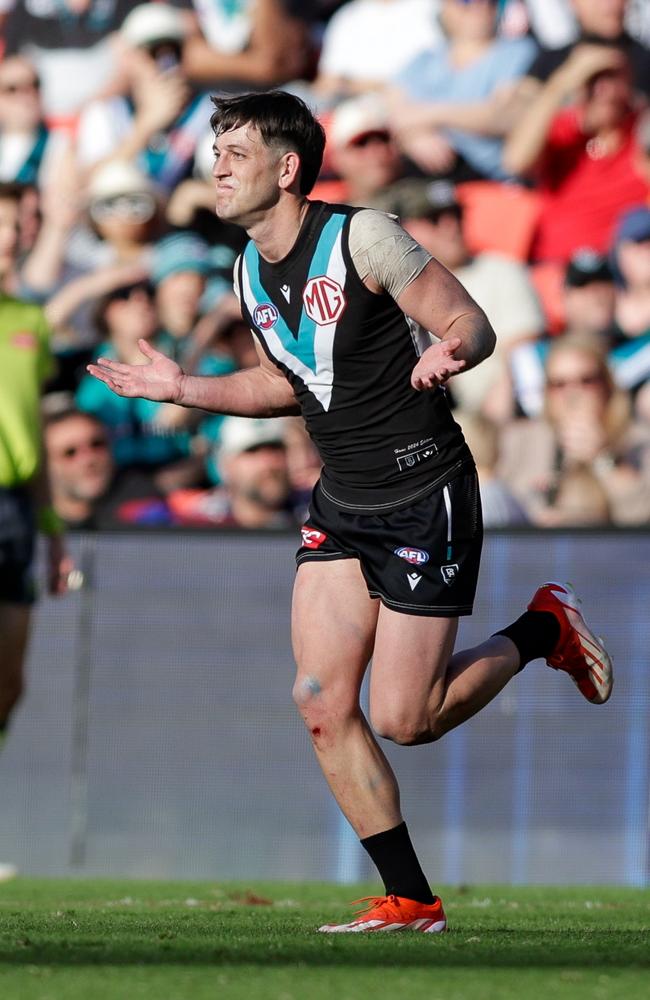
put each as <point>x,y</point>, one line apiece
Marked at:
<point>255,392</point>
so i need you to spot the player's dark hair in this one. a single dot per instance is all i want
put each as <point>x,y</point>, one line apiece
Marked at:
<point>282,120</point>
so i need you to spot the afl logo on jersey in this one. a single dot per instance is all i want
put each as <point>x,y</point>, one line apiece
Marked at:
<point>265,316</point>
<point>416,557</point>
<point>324,300</point>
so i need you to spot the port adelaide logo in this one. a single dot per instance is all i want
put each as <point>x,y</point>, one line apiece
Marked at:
<point>265,316</point>
<point>416,557</point>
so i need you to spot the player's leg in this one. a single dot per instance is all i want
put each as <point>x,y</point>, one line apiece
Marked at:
<point>14,634</point>
<point>418,689</point>
<point>333,626</point>
<point>333,629</point>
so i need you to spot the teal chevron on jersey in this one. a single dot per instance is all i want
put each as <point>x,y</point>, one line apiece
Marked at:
<point>302,346</point>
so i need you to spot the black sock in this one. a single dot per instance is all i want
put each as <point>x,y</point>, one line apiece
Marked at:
<point>397,863</point>
<point>535,634</point>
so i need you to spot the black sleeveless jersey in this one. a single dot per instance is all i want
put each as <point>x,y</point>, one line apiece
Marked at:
<point>348,354</point>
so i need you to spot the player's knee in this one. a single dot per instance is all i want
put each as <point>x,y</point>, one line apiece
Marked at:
<point>406,730</point>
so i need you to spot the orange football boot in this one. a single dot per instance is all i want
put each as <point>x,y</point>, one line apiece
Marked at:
<point>393,913</point>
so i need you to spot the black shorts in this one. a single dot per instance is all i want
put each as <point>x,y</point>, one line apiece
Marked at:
<point>420,560</point>
<point>17,534</point>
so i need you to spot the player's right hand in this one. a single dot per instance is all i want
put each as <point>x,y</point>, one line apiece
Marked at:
<point>159,379</point>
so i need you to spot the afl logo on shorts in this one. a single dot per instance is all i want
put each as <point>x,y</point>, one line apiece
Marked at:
<point>324,300</point>
<point>311,537</point>
<point>265,316</point>
<point>416,557</point>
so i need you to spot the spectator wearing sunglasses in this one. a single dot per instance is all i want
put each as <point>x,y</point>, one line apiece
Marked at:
<point>70,42</point>
<point>88,491</point>
<point>586,425</point>
<point>28,148</point>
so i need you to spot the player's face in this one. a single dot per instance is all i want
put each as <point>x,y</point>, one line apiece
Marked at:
<point>246,174</point>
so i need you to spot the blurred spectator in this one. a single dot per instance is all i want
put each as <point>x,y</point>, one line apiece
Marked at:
<point>433,216</point>
<point>580,501</point>
<point>500,507</point>
<point>457,100</point>
<point>159,122</point>
<point>143,433</point>
<point>256,490</point>
<point>246,44</point>
<point>70,44</point>
<point>583,156</point>
<point>27,146</point>
<point>631,260</point>
<point>87,489</point>
<point>179,269</point>
<point>599,23</point>
<point>586,423</point>
<point>393,33</point>
<point>588,304</point>
<point>363,154</point>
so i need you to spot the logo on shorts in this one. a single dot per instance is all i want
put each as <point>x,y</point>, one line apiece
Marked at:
<point>413,579</point>
<point>449,573</point>
<point>416,557</point>
<point>324,300</point>
<point>312,538</point>
<point>265,316</point>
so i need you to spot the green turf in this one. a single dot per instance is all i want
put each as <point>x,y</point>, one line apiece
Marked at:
<point>110,940</point>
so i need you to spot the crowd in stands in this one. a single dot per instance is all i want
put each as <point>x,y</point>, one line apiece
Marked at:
<point>512,139</point>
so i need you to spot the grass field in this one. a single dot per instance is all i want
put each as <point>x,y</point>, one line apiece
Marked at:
<point>112,940</point>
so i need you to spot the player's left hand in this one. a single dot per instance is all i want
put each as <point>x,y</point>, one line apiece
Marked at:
<point>437,364</point>
<point>59,565</point>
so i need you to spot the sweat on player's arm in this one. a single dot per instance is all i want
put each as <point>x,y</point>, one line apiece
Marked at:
<point>254,392</point>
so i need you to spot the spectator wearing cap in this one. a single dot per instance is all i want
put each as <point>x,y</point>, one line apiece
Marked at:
<point>248,45</point>
<point>256,491</point>
<point>180,267</point>
<point>71,44</point>
<point>453,104</point>
<point>363,154</point>
<point>86,262</point>
<point>582,155</point>
<point>158,124</point>
<point>501,286</point>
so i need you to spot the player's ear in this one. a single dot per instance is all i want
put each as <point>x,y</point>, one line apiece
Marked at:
<point>289,169</point>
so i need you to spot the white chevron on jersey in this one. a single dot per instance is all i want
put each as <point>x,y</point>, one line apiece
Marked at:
<point>319,382</point>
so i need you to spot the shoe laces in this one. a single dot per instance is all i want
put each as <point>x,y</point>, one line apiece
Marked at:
<point>368,904</point>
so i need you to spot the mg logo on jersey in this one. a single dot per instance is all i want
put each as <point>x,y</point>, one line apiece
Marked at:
<point>265,316</point>
<point>416,557</point>
<point>324,300</point>
<point>311,537</point>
